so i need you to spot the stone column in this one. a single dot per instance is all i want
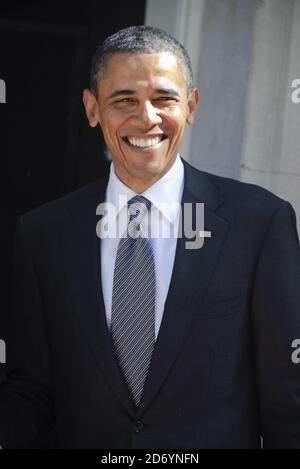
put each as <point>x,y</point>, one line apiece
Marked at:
<point>245,55</point>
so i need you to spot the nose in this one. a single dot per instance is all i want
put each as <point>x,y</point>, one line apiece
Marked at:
<point>149,115</point>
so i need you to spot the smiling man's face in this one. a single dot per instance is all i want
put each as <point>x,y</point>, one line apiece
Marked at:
<point>142,107</point>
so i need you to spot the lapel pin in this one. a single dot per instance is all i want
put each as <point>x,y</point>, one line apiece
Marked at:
<point>205,234</point>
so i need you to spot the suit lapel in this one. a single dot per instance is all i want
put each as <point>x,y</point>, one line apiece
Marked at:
<point>83,252</point>
<point>192,272</point>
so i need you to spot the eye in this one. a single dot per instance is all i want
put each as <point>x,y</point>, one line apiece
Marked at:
<point>166,99</point>
<point>125,100</point>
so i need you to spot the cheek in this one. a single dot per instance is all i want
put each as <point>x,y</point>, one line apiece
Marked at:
<point>111,126</point>
<point>175,119</point>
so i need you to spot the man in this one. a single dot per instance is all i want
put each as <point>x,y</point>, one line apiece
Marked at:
<point>137,341</point>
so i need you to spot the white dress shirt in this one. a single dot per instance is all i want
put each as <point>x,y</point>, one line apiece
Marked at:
<point>165,196</point>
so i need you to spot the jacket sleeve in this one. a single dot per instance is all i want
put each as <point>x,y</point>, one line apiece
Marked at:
<point>276,326</point>
<point>26,397</point>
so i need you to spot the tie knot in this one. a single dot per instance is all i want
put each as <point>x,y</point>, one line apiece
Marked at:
<point>137,207</point>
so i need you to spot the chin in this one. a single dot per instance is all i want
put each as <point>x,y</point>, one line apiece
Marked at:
<point>153,166</point>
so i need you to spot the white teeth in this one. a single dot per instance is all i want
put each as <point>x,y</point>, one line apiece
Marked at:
<point>144,142</point>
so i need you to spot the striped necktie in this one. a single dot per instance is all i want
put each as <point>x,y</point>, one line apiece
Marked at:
<point>133,300</point>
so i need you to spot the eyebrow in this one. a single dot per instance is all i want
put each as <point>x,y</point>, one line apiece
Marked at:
<point>120,93</point>
<point>168,91</point>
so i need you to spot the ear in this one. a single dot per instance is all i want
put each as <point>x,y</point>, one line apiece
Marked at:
<point>193,101</point>
<point>91,107</point>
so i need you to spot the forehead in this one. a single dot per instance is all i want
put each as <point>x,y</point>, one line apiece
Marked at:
<point>134,70</point>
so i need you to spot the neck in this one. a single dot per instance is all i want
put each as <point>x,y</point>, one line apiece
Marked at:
<point>141,184</point>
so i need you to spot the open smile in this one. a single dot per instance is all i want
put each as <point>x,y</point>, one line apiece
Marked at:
<point>145,143</point>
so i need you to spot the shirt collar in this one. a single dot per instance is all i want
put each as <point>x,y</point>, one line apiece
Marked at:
<point>165,194</point>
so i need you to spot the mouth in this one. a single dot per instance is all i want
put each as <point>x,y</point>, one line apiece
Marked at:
<point>138,143</point>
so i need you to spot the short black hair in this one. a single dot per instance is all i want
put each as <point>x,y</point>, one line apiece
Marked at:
<point>138,39</point>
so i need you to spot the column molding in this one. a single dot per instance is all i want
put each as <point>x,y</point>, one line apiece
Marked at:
<point>182,19</point>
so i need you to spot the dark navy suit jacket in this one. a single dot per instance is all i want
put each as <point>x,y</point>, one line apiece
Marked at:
<point>221,374</point>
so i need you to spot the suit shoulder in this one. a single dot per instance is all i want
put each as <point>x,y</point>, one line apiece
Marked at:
<point>244,192</point>
<point>240,198</point>
<point>232,188</point>
<point>252,206</point>
<point>59,210</point>
<point>250,203</point>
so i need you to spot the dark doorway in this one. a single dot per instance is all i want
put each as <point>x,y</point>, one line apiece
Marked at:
<point>47,148</point>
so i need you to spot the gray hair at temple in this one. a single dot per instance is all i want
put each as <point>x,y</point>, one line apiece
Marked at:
<point>139,39</point>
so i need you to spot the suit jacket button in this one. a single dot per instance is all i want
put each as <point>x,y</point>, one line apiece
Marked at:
<point>138,427</point>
